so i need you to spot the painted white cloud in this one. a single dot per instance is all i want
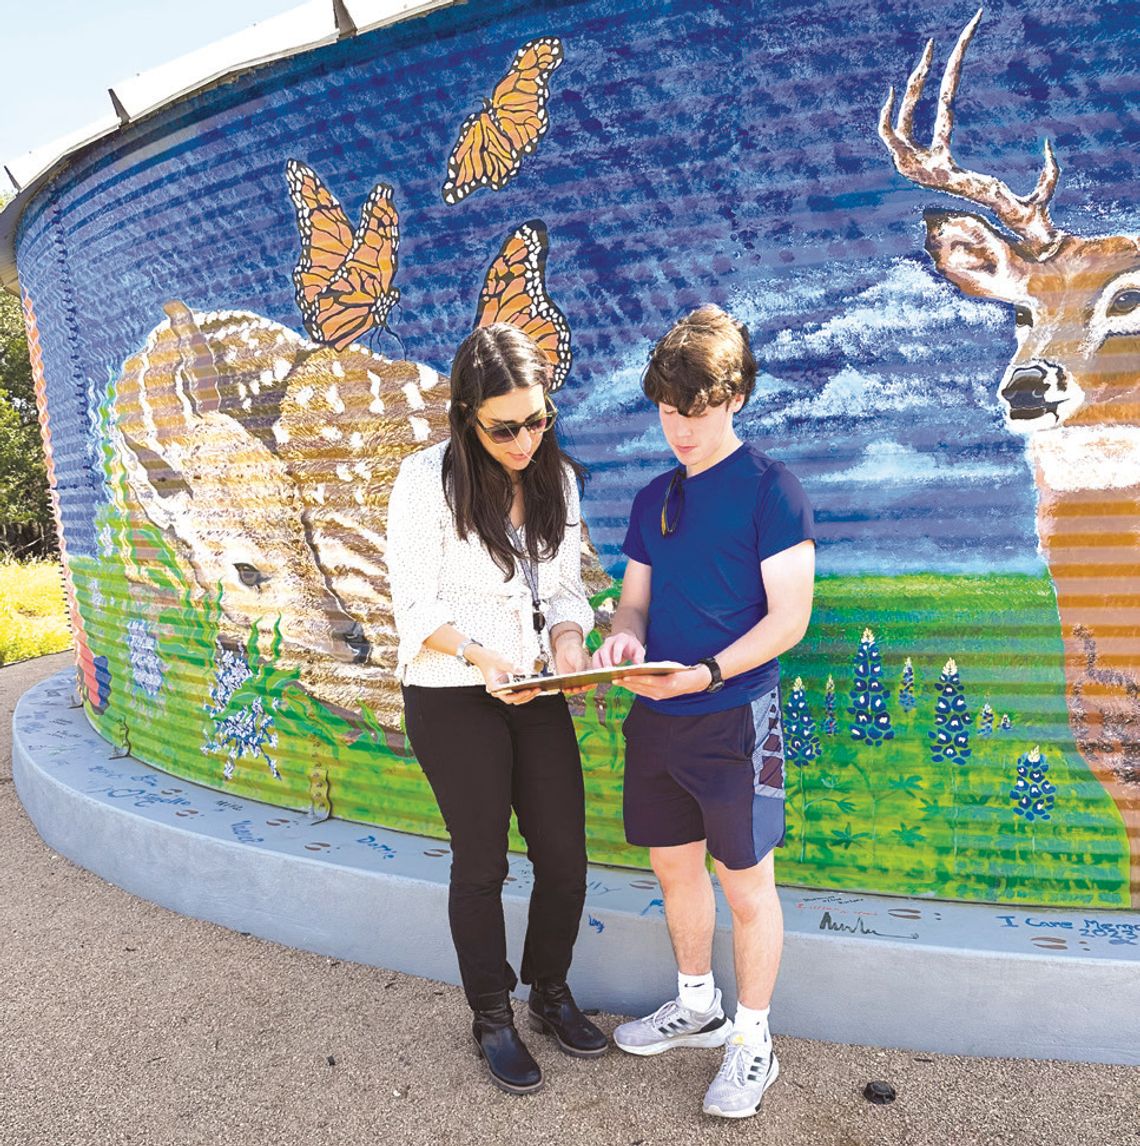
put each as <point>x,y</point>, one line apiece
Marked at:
<point>650,442</point>
<point>853,394</point>
<point>622,388</point>
<point>896,312</point>
<point>771,299</point>
<point>889,463</point>
<point>910,315</point>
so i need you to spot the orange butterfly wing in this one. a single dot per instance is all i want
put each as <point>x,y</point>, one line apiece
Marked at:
<point>326,235</point>
<point>515,292</point>
<point>361,294</point>
<point>343,280</point>
<point>493,141</point>
<point>519,102</point>
<point>483,157</point>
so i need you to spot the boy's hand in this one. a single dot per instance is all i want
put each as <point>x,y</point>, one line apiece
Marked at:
<point>674,684</point>
<point>619,649</point>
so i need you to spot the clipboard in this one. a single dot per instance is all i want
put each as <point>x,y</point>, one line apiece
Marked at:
<point>556,683</point>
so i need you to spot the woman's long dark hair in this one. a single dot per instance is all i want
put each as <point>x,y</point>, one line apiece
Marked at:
<point>491,361</point>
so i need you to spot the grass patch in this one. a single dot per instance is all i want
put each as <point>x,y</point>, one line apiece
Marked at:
<point>33,610</point>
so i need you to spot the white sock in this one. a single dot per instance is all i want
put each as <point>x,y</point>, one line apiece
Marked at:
<point>752,1024</point>
<point>696,992</point>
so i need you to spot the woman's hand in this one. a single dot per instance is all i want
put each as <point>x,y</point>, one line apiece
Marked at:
<point>619,649</point>
<point>497,670</point>
<point>570,656</point>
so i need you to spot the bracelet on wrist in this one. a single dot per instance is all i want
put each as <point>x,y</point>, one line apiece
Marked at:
<point>461,652</point>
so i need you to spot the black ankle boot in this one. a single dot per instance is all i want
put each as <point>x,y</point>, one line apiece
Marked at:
<point>509,1062</point>
<point>553,1010</point>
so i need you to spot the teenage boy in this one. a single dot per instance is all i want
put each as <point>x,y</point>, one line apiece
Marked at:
<point>720,576</point>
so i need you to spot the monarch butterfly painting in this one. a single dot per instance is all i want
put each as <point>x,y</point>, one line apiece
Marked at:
<point>343,280</point>
<point>493,140</point>
<point>514,291</point>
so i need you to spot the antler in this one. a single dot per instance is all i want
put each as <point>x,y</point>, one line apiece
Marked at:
<point>1026,216</point>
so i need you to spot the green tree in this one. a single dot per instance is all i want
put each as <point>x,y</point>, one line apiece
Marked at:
<point>23,472</point>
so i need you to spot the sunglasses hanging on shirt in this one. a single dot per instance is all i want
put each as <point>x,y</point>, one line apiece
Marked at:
<point>674,502</point>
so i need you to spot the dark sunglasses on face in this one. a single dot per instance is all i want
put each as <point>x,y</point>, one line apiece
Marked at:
<point>502,433</point>
<point>674,501</point>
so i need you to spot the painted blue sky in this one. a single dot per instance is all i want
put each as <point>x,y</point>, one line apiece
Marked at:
<point>721,152</point>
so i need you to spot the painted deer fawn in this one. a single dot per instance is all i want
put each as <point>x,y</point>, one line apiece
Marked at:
<point>268,462</point>
<point>1073,388</point>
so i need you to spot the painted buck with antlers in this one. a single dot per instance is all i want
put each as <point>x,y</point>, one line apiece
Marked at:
<point>1073,388</point>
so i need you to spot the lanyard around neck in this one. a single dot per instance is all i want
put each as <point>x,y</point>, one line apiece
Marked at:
<point>530,575</point>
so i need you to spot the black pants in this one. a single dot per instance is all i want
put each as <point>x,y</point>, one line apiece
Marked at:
<point>482,758</point>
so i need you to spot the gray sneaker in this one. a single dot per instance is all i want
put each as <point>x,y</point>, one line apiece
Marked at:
<point>673,1025</point>
<point>744,1076</point>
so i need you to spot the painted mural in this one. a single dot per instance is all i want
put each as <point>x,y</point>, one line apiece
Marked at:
<point>231,370</point>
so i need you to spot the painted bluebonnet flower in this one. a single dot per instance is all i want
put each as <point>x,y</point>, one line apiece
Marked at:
<point>230,673</point>
<point>906,689</point>
<point>147,669</point>
<point>800,739</point>
<point>1032,793</point>
<point>986,723</point>
<point>951,719</point>
<point>872,724</point>
<point>830,724</point>
<point>246,732</point>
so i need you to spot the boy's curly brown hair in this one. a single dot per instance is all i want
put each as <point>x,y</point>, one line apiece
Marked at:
<point>704,360</point>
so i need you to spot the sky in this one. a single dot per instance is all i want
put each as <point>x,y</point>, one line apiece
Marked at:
<point>86,48</point>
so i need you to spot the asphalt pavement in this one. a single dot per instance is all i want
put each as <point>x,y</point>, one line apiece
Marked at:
<point>121,1022</point>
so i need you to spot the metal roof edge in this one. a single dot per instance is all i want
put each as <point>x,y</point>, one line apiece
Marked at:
<point>310,25</point>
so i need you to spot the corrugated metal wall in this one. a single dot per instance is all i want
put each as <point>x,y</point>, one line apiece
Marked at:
<point>222,479</point>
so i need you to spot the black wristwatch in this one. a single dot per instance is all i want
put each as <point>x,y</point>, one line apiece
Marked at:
<point>717,682</point>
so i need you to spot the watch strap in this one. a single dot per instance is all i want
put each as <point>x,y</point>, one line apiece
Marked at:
<point>461,652</point>
<point>717,682</point>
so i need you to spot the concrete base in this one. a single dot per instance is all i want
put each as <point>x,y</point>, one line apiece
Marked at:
<point>917,974</point>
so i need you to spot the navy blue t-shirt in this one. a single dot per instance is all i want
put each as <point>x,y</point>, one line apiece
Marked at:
<point>706,590</point>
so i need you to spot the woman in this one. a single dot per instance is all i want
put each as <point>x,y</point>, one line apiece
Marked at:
<point>484,562</point>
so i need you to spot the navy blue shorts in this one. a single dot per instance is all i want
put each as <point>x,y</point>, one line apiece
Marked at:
<point>715,776</point>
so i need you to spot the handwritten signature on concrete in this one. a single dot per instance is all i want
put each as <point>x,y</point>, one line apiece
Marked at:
<point>826,923</point>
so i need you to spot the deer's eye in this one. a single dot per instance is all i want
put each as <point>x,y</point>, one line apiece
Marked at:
<point>1124,303</point>
<point>1022,316</point>
<point>250,575</point>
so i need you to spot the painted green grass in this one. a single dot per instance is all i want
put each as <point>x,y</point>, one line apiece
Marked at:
<point>890,817</point>
<point>886,819</point>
